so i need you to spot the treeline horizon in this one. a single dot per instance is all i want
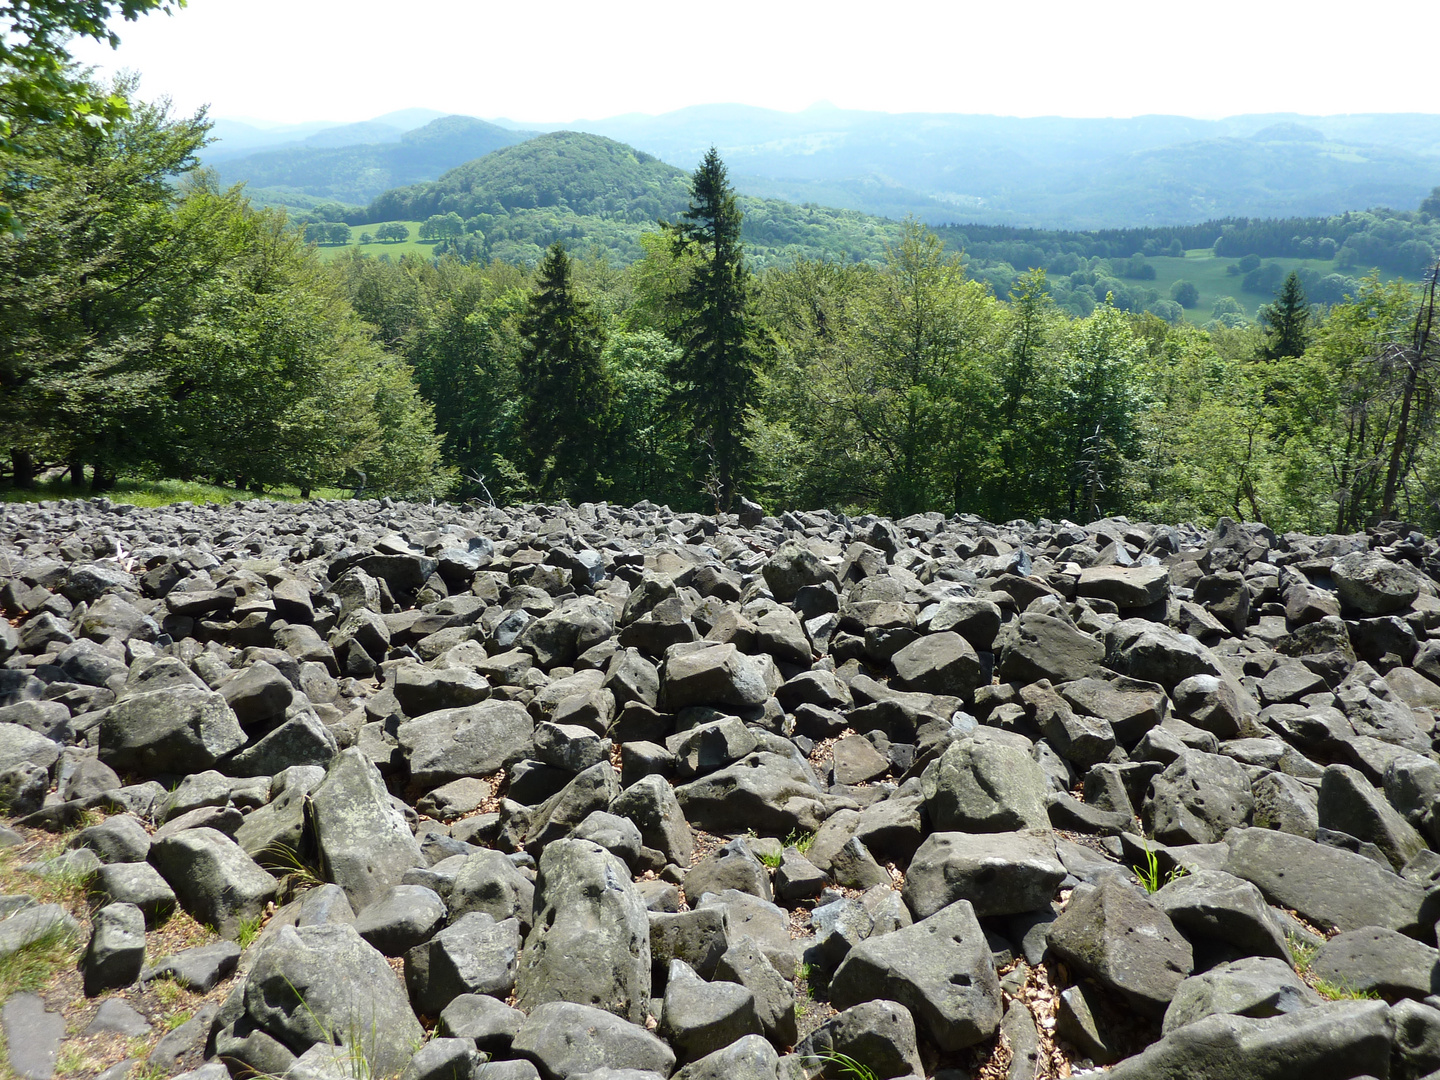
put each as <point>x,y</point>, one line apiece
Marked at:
<point>159,326</point>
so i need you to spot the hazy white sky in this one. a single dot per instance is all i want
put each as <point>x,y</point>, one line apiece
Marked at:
<point>560,60</point>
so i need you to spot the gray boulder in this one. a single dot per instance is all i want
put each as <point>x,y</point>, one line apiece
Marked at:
<point>477,740</point>
<point>116,952</point>
<point>213,878</point>
<point>998,873</point>
<point>1350,804</point>
<point>565,1039</point>
<point>1335,1041</point>
<point>400,918</point>
<point>1037,646</point>
<point>651,804</point>
<point>701,1017</point>
<point>1122,940</point>
<point>733,866</point>
<point>1256,986</point>
<point>750,1058</point>
<point>324,984</point>
<point>488,1022</point>
<point>364,844</point>
<point>770,793</point>
<point>1197,799</point>
<point>719,676</point>
<point>489,882</point>
<point>1371,584</point>
<point>175,730</point>
<point>590,943</point>
<point>940,969</point>
<point>879,1034</point>
<point>940,663</point>
<point>473,955</point>
<point>982,784</point>
<point>745,963</point>
<point>1335,889</point>
<point>1378,961</point>
<point>1216,905</point>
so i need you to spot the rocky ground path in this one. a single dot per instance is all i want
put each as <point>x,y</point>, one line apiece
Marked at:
<point>365,789</point>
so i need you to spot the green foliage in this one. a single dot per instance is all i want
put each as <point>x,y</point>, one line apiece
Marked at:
<point>716,375</point>
<point>565,386</point>
<point>42,93</point>
<point>1185,293</point>
<point>1149,875</point>
<point>800,841</point>
<point>1302,952</point>
<point>847,1066</point>
<point>32,966</point>
<point>248,931</point>
<point>1343,992</point>
<point>1286,321</point>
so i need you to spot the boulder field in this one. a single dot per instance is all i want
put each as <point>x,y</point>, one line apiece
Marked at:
<point>553,793</point>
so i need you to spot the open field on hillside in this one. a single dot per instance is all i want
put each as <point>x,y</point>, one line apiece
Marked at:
<point>412,246</point>
<point>1209,276</point>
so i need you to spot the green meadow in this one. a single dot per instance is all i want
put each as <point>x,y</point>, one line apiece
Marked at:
<point>1208,274</point>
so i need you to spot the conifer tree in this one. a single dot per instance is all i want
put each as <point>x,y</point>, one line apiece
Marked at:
<point>716,376</point>
<point>1287,321</point>
<point>565,386</point>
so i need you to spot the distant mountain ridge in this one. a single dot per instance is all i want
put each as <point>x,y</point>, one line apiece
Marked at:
<point>1044,171</point>
<point>356,173</point>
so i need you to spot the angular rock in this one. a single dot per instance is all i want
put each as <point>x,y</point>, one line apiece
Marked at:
<point>590,943</point>
<point>1334,1041</point>
<point>998,873</point>
<point>702,1017</point>
<point>1332,888</point>
<point>213,878</point>
<point>1257,986</point>
<point>1122,940</point>
<point>473,955</point>
<point>566,1039</point>
<point>364,844</point>
<point>324,984</point>
<point>940,969</point>
<point>176,730</point>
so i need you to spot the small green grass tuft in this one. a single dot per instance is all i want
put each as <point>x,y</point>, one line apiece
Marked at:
<point>248,931</point>
<point>168,991</point>
<point>1302,952</point>
<point>1339,992</point>
<point>1149,875</point>
<point>848,1066</point>
<point>287,861</point>
<point>770,859</point>
<point>800,841</point>
<point>30,967</point>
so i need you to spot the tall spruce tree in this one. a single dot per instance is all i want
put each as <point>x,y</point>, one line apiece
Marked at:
<point>717,373</point>
<point>565,386</point>
<point>1287,321</point>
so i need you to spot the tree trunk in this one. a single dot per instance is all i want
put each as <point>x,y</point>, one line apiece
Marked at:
<point>24,466</point>
<point>1414,357</point>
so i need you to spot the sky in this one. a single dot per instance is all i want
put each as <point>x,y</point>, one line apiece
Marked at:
<point>562,60</point>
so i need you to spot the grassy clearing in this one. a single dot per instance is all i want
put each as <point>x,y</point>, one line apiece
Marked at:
<point>31,967</point>
<point>412,246</point>
<point>1208,275</point>
<point>162,493</point>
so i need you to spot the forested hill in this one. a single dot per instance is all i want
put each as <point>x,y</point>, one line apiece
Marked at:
<point>591,191</point>
<point>302,176</point>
